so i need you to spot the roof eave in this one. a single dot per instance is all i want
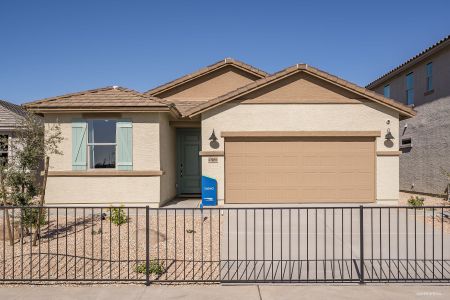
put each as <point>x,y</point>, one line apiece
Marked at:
<point>98,109</point>
<point>405,112</point>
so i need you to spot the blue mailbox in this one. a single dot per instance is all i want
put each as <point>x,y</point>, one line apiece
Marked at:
<point>209,191</point>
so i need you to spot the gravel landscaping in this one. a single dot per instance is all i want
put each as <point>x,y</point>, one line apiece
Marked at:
<point>85,245</point>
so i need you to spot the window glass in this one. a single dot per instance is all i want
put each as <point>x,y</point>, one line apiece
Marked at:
<point>102,156</point>
<point>410,88</point>
<point>387,91</point>
<point>3,148</point>
<point>429,76</point>
<point>102,131</point>
<point>102,144</point>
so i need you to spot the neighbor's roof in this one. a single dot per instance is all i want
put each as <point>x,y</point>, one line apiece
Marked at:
<point>104,99</point>
<point>207,70</point>
<point>412,61</point>
<point>10,114</point>
<point>405,111</point>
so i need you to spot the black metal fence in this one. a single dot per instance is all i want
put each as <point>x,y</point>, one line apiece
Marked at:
<point>264,244</point>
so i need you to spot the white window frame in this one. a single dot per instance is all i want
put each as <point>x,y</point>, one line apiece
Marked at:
<point>89,145</point>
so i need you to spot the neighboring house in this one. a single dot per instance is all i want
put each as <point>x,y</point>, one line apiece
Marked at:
<point>423,82</point>
<point>10,117</point>
<point>297,136</point>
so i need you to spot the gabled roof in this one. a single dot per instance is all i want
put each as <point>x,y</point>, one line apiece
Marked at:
<point>207,70</point>
<point>412,61</point>
<point>103,99</point>
<point>405,111</point>
<point>10,114</point>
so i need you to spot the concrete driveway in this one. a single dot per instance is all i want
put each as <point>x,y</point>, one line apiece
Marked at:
<point>323,244</point>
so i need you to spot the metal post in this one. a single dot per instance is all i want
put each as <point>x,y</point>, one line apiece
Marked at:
<point>361,244</point>
<point>147,246</point>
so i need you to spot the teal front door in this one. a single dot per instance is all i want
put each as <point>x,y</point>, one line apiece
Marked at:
<point>188,161</point>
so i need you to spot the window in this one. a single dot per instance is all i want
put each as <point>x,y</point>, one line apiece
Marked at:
<point>387,91</point>
<point>429,76</point>
<point>4,148</point>
<point>102,144</point>
<point>410,89</point>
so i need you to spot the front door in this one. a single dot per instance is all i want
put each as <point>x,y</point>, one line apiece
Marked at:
<point>188,161</point>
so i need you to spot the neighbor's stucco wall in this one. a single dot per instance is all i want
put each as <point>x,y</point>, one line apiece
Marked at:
<point>421,165</point>
<point>441,75</point>
<point>90,190</point>
<point>167,136</point>
<point>366,116</point>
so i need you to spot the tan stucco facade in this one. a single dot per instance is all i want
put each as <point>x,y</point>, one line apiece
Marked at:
<point>234,100</point>
<point>306,117</point>
<point>149,138</point>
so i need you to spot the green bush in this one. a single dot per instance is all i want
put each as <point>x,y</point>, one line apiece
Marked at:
<point>416,201</point>
<point>118,215</point>
<point>30,217</point>
<point>154,268</point>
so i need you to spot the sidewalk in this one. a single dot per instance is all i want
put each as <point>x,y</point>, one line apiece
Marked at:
<point>240,292</point>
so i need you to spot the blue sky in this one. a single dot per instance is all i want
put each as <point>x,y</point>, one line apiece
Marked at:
<point>49,48</point>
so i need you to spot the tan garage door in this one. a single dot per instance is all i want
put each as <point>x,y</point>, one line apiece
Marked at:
<point>299,170</point>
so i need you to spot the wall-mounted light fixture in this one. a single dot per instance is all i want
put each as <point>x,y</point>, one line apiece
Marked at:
<point>213,137</point>
<point>389,135</point>
<point>214,143</point>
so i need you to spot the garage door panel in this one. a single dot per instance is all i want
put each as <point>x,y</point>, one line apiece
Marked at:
<point>300,171</point>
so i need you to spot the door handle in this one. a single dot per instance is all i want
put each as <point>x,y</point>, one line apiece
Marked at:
<point>181,170</point>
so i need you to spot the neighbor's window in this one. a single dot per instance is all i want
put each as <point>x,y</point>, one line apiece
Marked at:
<point>410,88</point>
<point>4,148</point>
<point>387,91</point>
<point>429,76</point>
<point>102,144</point>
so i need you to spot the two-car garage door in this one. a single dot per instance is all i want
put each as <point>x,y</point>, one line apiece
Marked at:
<point>299,170</point>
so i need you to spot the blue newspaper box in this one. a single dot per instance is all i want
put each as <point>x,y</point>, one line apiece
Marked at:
<point>209,191</point>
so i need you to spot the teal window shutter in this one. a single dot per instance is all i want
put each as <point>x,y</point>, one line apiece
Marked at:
<point>79,137</point>
<point>124,145</point>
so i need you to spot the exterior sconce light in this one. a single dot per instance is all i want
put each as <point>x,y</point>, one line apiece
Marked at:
<point>214,143</point>
<point>213,137</point>
<point>389,135</point>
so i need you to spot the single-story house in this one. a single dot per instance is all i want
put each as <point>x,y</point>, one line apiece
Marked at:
<point>300,135</point>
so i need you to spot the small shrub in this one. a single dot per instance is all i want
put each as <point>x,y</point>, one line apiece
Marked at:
<point>30,217</point>
<point>416,201</point>
<point>118,215</point>
<point>154,268</point>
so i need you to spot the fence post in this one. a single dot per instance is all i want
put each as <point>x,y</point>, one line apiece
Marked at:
<point>361,244</point>
<point>147,246</point>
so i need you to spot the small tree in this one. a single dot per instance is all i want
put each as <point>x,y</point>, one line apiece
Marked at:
<point>30,146</point>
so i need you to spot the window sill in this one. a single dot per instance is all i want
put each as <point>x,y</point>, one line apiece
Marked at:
<point>103,173</point>
<point>428,92</point>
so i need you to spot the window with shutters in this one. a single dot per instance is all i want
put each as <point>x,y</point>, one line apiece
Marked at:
<point>101,144</point>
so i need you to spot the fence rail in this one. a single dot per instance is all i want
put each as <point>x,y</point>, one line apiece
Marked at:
<point>260,244</point>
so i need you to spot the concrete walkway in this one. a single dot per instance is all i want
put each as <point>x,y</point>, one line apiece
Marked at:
<point>212,292</point>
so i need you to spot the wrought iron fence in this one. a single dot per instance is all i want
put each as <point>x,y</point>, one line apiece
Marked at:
<point>260,244</point>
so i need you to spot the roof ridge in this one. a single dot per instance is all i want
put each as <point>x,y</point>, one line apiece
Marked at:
<point>415,57</point>
<point>202,71</point>
<point>300,68</point>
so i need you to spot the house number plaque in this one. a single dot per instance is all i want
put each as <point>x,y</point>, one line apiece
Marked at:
<point>213,160</point>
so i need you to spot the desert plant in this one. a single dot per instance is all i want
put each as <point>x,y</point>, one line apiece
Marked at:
<point>155,268</point>
<point>416,201</point>
<point>118,215</point>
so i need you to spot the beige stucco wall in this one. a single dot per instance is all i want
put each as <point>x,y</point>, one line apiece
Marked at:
<point>108,190</point>
<point>167,136</point>
<point>209,86</point>
<point>366,116</point>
